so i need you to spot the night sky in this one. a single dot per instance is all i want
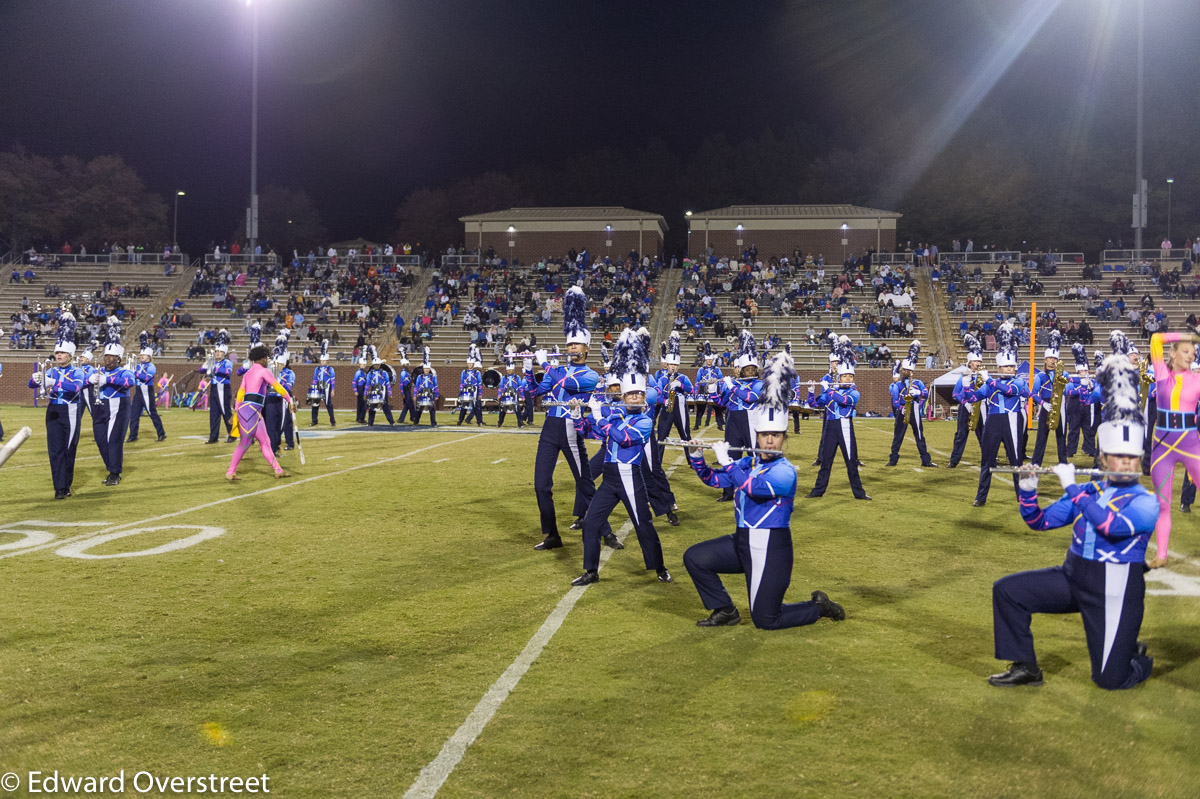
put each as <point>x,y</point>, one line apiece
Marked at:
<point>363,101</point>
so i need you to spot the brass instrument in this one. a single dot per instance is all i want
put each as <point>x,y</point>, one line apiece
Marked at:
<point>43,367</point>
<point>670,404</point>
<point>1145,380</point>
<point>907,402</point>
<point>1060,383</point>
<point>977,411</point>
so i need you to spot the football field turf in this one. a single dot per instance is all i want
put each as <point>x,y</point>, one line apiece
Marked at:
<point>333,630</point>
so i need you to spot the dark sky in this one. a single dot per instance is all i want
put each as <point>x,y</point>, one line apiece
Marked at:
<point>364,100</point>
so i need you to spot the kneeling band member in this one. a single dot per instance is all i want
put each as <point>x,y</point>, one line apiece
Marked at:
<point>1102,577</point>
<point>624,429</point>
<point>761,546</point>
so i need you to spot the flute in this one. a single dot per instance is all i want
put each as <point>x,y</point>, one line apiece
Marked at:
<point>679,442</point>
<point>1026,471</point>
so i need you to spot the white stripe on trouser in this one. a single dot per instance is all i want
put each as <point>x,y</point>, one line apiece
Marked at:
<point>917,420</point>
<point>572,443</point>
<point>626,472</point>
<point>1116,576</point>
<point>221,397</point>
<point>146,395</point>
<point>845,428</point>
<point>73,420</point>
<point>1013,418</point>
<point>758,560</point>
<point>750,424</point>
<point>114,403</point>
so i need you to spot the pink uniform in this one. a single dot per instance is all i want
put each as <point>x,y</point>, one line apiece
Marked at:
<point>256,382</point>
<point>1175,434</point>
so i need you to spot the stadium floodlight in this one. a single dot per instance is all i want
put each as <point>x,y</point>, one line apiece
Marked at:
<point>175,228</point>
<point>1170,182</point>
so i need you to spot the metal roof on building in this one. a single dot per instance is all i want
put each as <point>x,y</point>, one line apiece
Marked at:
<point>582,214</point>
<point>796,212</point>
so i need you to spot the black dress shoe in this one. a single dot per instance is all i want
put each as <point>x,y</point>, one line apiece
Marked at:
<point>1141,649</point>
<point>1018,674</point>
<point>860,463</point>
<point>951,465</point>
<point>979,503</point>
<point>587,578</point>
<point>724,498</point>
<point>112,479</point>
<point>289,446</point>
<point>721,617</point>
<point>813,495</point>
<point>612,542</point>
<point>672,519</point>
<point>130,440</point>
<point>664,576</point>
<point>60,493</point>
<point>211,441</point>
<point>163,437</point>
<point>829,608</point>
<point>817,462</point>
<point>577,524</point>
<point>892,463</point>
<point>551,542</point>
<point>1185,508</point>
<point>864,496</point>
<point>230,440</point>
<point>930,465</point>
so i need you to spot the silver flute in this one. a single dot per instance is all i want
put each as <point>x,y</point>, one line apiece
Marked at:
<point>1027,471</point>
<point>679,442</point>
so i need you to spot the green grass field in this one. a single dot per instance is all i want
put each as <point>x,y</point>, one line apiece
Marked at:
<point>346,621</point>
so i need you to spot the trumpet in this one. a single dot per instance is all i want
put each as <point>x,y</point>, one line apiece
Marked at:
<point>508,356</point>
<point>679,442</point>
<point>977,410</point>
<point>1027,471</point>
<point>1056,398</point>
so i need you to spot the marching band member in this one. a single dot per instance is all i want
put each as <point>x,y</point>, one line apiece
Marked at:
<point>251,426</point>
<point>966,407</point>
<point>405,381</point>
<point>612,398</point>
<point>739,398</point>
<point>359,384</point>
<point>1081,410</point>
<point>470,390</point>
<point>273,411</point>
<point>564,383</point>
<point>379,385</point>
<point>88,395</point>
<point>145,395</point>
<point>324,380</point>
<point>63,385</point>
<point>220,400</point>
<point>708,389</point>
<point>255,337</point>
<point>674,388</point>
<point>287,379</point>
<point>1187,497</point>
<point>425,387</point>
<point>1176,440</point>
<point>911,394</point>
<point>840,404</point>
<point>624,429</point>
<point>1150,408</point>
<point>1043,395</point>
<point>658,485</point>
<point>110,415</point>
<point>828,379</point>
<point>761,546</point>
<point>1102,576</point>
<point>509,390</point>
<point>528,391</point>
<point>1003,395</point>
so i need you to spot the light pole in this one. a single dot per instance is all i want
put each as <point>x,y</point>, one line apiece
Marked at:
<point>175,229</point>
<point>845,240</point>
<point>687,251</point>
<point>1170,181</point>
<point>252,213</point>
<point>608,238</point>
<point>1139,188</point>
<point>512,242</point>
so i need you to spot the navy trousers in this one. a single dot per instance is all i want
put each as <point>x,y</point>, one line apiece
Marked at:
<point>475,413</point>
<point>1109,597</point>
<point>918,427</point>
<point>838,434</point>
<point>705,407</point>
<point>144,399</point>
<point>110,418</point>
<point>516,413</point>
<point>622,483</point>
<point>1082,418</point>
<point>1000,430</point>
<point>738,434</point>
<point>408,409</point>
<point>386,408</point>
<point>962,432</point>
<point>220,406</point>
<point>416,415</point>
<point>62,440</point>
<point>559,436</point>
<point>1188,496</point>
<point>658,487</point>
<point>1043,436</point>
<point>360,406</point>
<point>677,418</point>
<point>765,557</point>
<point>327,400</point>
<point>527,406</point>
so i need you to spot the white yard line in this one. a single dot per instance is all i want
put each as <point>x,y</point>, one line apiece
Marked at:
<point>438,770</point>
<point>502,460</point>
<point>333,457</point>
<point>441,460</point>
<point>214,503</point>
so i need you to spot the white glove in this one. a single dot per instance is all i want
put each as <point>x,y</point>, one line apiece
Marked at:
<point>1066,474</point>
<point>96,379</point>
<point>37,377</point>
<point>915,393</point>
<point>540,356</point>
<point>676,385</point>
<point>1029,483</point>
<point>984,372</point>
<point>597,408</point>
<point>728,382</point>
<point>528,364</point>
<point>721,450</point>
<point>576,411</point>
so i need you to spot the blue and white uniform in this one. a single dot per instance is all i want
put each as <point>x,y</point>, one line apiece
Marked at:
<point>678,417</point>
<point>1101,579</point>
<point>110,415</point>
<point>64,407</point>
<point>470,384</point>
<point>220,398</point>
<point>625,436</point>
<point>761,546</point>
<point>1083,400</point>
<point>510,386</point>
<point>900,391</point>
<point>841,407</point>
<point>428,384</point>
<point>1043,394</point>
<point>379,381</point>
<point>145,398</point>
<point>1003,398</point>
<point>359,384</point>
<point>739,396</point>
<point>706,394</point>
<point>966,408</point>
<point>324,375</point>
<point>562,384</point>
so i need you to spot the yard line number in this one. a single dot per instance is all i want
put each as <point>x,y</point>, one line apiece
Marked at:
<point>36,533</point>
